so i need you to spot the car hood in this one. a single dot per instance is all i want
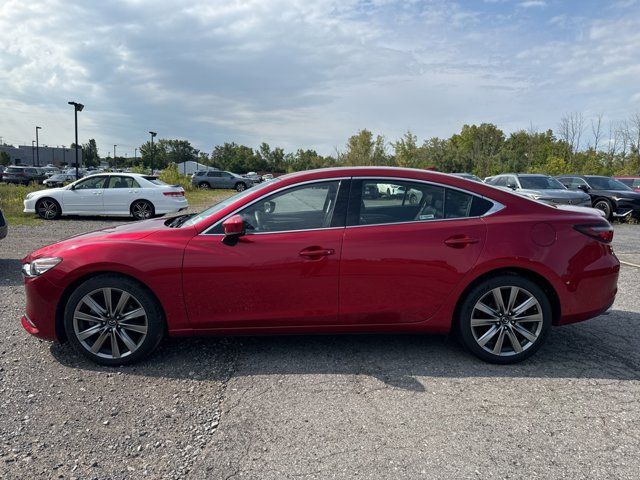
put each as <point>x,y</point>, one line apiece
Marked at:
<point>45,192</point>
<point>628,194</point>
<point>127,232</point>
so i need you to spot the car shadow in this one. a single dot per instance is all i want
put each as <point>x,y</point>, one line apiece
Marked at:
<point>593,349</point>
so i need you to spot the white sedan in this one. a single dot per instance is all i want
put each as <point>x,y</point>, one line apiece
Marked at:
<point>112,194</point>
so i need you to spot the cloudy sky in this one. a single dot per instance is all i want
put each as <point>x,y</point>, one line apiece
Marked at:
<point>306,73</point>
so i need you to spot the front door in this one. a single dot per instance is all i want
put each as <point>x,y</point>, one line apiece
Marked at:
<point>283,272</point>
<point>404,251</point>
<point>86,197</point>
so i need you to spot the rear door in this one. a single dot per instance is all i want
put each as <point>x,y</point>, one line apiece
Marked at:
<point>402,255</point>
<point>119,194</point>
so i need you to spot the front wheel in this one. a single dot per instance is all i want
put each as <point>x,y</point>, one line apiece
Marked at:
<point>113,320</point>
<point>240,187</point>
<point>142,210</point>
<point>505,319</point>
<point>48,209</point>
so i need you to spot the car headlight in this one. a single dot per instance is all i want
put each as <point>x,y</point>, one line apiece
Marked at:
<point>40,266</point>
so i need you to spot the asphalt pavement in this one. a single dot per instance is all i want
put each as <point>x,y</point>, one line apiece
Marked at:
<point>321,407</point>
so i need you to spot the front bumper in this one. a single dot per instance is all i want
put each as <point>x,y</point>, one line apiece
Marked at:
<point>42,297</point>
<point>29,205</point>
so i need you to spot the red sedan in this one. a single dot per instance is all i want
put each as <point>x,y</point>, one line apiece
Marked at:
<point>327,251</point>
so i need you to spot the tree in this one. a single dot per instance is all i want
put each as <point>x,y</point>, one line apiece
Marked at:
<point>5,159</point>
<point>408,154</point>
<point>363,149</point>
<point>167,151</point>
<point>90,156</point>
<point>237,158</point>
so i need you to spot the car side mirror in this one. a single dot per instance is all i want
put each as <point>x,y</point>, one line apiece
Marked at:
<point>584,188</point>
<point>234,228</point>
<point>512,186</point>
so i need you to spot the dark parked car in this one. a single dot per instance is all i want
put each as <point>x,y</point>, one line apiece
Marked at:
<point>3,226</point>
<point>632,182</point>
<point>221,179</point>
<point>540,187</point>
<point>611,196</point>
<point>59,179</point>
<point>468,176</point>
<point>23,175</point>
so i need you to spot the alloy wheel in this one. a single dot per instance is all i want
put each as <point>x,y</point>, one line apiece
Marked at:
<point>48,209</point>
<point>507,321</point>
<point>142,210</point>
<point>110,323</point>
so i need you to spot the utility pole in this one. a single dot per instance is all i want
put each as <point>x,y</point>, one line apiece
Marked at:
<point>153,151</point>
<point>77,108</point>
<point>37,146</point>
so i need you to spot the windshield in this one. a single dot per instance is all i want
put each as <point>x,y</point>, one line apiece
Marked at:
<point>225,203</point>
<point>540,183</point>
<point>606,183</point>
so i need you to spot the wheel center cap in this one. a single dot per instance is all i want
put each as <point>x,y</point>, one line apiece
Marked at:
<point>112,323</point>
<point>504,320</point>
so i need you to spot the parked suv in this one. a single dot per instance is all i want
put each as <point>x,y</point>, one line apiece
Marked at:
<point>613,197</point>
<point>24,175</point>
<point>220,179</point>
<point>540,187</point>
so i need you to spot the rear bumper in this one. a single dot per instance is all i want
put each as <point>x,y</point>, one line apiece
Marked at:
<point>592,292</point>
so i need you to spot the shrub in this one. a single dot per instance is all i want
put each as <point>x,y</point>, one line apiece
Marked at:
<point>171,176</point>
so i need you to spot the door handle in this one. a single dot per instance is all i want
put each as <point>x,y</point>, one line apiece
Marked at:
<point>316,252</point>
<point>460,241</point>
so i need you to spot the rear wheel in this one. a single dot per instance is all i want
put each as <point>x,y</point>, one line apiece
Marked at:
<point>113,320</point>
<point>142,210</point>
<point>48,209</point>
<point>240,187</point>
<point>204,185</point>
<point>505,319</point>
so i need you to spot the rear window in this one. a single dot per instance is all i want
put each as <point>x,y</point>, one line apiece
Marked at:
<point>155,180</point>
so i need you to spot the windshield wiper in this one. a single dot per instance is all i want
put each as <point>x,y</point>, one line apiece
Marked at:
<point>179,220</point>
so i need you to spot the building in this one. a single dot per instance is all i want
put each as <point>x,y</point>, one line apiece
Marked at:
<point>26,155</point>
<point>190,167</point>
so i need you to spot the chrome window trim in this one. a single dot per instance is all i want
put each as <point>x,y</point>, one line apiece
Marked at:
<point>273,192</point>
<point>497,206</point>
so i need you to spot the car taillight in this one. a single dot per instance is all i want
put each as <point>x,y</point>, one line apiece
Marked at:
<point>174,194</point>
<point>603,232</point>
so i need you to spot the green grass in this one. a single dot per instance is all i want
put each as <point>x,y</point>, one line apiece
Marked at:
<point>12,196</point>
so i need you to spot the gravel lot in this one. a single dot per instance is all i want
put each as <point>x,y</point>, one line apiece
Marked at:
<point>322,406</point>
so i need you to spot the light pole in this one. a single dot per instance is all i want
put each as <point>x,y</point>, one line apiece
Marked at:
<point>77,107</point>
<point>153,151</point>
<point>115,159</point>
<point>63,154</point>
<point>37,146</point>
<point>33,152</point>
<point>135,156</point>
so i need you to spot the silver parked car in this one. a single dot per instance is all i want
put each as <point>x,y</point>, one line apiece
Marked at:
<point>221,179</point>
<point>540,187</point>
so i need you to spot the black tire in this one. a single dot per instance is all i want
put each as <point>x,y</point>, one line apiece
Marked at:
<point>240,187</point>
<point>142,210</point>
<point>471,337</point>
<point>604,205</point>
<point>155,324</point>
<point>48,209</point>
<point>204,185</point>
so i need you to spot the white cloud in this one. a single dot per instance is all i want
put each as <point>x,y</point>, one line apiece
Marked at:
<point>533,3</point>
<point>299,73</point>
